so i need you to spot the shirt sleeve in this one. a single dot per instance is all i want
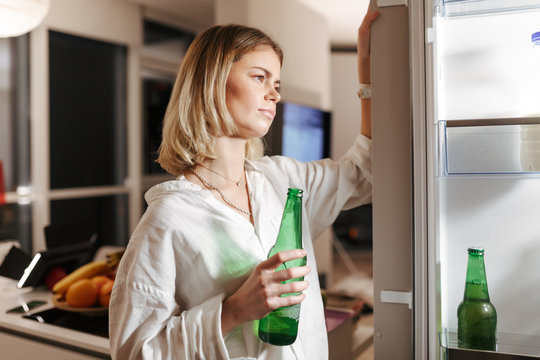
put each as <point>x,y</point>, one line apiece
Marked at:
<point>331,186</point>
<point>146,320</point>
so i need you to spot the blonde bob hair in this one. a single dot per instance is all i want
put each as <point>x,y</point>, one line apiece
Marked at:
<point>197,112</point>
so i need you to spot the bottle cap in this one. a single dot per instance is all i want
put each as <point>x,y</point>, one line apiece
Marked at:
<point>295,192</point>
<point>535,38</point>
<point>476,250</point>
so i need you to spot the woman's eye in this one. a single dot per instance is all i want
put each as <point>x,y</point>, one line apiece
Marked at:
<point>261,78</point>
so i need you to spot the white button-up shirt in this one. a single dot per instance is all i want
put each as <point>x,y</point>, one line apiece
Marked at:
<point>190,251</point>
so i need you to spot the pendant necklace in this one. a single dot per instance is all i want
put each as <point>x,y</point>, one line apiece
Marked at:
<point>227,201</point>
<point>237,183</point>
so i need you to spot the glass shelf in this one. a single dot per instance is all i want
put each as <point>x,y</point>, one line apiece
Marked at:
<point>453,8</point>
<point>509,346</point>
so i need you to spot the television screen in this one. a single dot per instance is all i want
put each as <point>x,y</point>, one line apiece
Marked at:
<point>299,131</point>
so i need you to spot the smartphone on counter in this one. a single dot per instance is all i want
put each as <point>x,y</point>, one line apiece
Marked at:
<point>25,307</point>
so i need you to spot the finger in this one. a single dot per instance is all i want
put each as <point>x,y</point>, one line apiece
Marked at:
<point>374,14</point>
<point>371,16</point>
<point>288,301</point>
<point>291,288</point>
<point>368,20</point>
<point>283,256</point>
<point>291,273</point>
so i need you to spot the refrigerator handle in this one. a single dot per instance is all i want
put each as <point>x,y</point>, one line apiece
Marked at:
<point>385,3</point>
<point>397,297</point>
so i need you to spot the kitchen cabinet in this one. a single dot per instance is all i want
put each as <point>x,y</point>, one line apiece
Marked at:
<point>20,346</point>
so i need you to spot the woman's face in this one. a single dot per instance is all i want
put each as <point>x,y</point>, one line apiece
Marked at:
<point>252,91</point>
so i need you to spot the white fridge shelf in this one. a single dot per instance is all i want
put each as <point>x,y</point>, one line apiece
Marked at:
<point>509,346</point>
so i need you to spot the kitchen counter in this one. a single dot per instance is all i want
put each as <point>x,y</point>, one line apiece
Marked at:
<point>25,338</point>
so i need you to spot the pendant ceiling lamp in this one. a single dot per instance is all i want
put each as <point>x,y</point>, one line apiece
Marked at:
<point>18,17</point>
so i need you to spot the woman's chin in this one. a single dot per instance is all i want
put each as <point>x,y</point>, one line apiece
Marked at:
<point>253,133</point>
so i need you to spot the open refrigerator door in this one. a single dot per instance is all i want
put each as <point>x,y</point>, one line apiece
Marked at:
<point>456,113</point>
<point>485,174</point>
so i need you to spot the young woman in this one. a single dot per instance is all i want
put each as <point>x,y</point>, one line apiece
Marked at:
<point>195,277</point>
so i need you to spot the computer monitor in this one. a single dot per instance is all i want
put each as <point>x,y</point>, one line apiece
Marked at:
<point>299,131</point>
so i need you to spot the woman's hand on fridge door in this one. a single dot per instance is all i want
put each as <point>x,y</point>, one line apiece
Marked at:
<point>364,70</point>
<point>261,292</point>
<point>363,46</point>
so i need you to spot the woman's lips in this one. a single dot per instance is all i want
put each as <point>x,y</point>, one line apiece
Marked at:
<point>269,113</point>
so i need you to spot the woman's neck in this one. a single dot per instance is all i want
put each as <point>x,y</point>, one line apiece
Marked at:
<point>228,169</point>
<point>231,155</point>
<point>225,176</point>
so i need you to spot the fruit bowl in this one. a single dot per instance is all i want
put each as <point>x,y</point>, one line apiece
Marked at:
<point>90,311</point>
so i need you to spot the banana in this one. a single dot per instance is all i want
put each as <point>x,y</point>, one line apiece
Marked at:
<point>113,259</point>
<point>84,272</point>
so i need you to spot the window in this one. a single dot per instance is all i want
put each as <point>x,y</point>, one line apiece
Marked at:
<point>105,215</point>
<point>87,112</point>
<point>87,130</point>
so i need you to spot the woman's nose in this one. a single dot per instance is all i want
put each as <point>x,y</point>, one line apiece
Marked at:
<point>273,95</point>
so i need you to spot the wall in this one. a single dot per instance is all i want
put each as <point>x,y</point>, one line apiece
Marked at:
<point>305,76</point>
<point>346,107</point>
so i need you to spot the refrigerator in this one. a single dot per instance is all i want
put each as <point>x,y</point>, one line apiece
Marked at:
<point>456,164</point>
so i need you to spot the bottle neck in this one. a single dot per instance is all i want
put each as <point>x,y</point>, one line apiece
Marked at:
<point>476,283</point>
<point>291,222</point>
<point>293,204</point>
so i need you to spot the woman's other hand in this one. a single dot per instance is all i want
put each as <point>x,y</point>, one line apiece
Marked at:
<point>261,292</point>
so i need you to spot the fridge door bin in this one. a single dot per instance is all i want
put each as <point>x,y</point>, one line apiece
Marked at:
<point>491,147</point>
<point>509,347</point>
<point>451,8</point>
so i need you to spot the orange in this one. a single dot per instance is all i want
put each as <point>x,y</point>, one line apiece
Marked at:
<point>105,294</point>
<point>100,280</point>
<point>82,293</point>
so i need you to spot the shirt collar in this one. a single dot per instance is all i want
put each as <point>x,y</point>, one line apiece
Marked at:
<point>251,166</point>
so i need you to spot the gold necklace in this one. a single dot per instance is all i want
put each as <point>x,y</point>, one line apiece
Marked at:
<point>237,183</point>
<point>227,201</point>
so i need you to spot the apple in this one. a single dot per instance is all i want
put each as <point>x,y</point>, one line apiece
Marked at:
<point>55,274</point>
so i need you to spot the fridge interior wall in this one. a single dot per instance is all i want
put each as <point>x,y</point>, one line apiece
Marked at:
<point>484,69</point>
<point>487,66</point>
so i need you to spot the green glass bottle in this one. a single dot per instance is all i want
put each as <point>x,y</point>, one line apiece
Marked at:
<point>280,327</point>
<point>477,318</point>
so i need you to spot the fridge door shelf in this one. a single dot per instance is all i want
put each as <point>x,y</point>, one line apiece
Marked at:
<point>490,147</point>
<point>453,8</point>
<point>509,347</point>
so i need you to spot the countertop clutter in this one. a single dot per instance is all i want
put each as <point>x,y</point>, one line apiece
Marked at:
<point>45,330</point>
